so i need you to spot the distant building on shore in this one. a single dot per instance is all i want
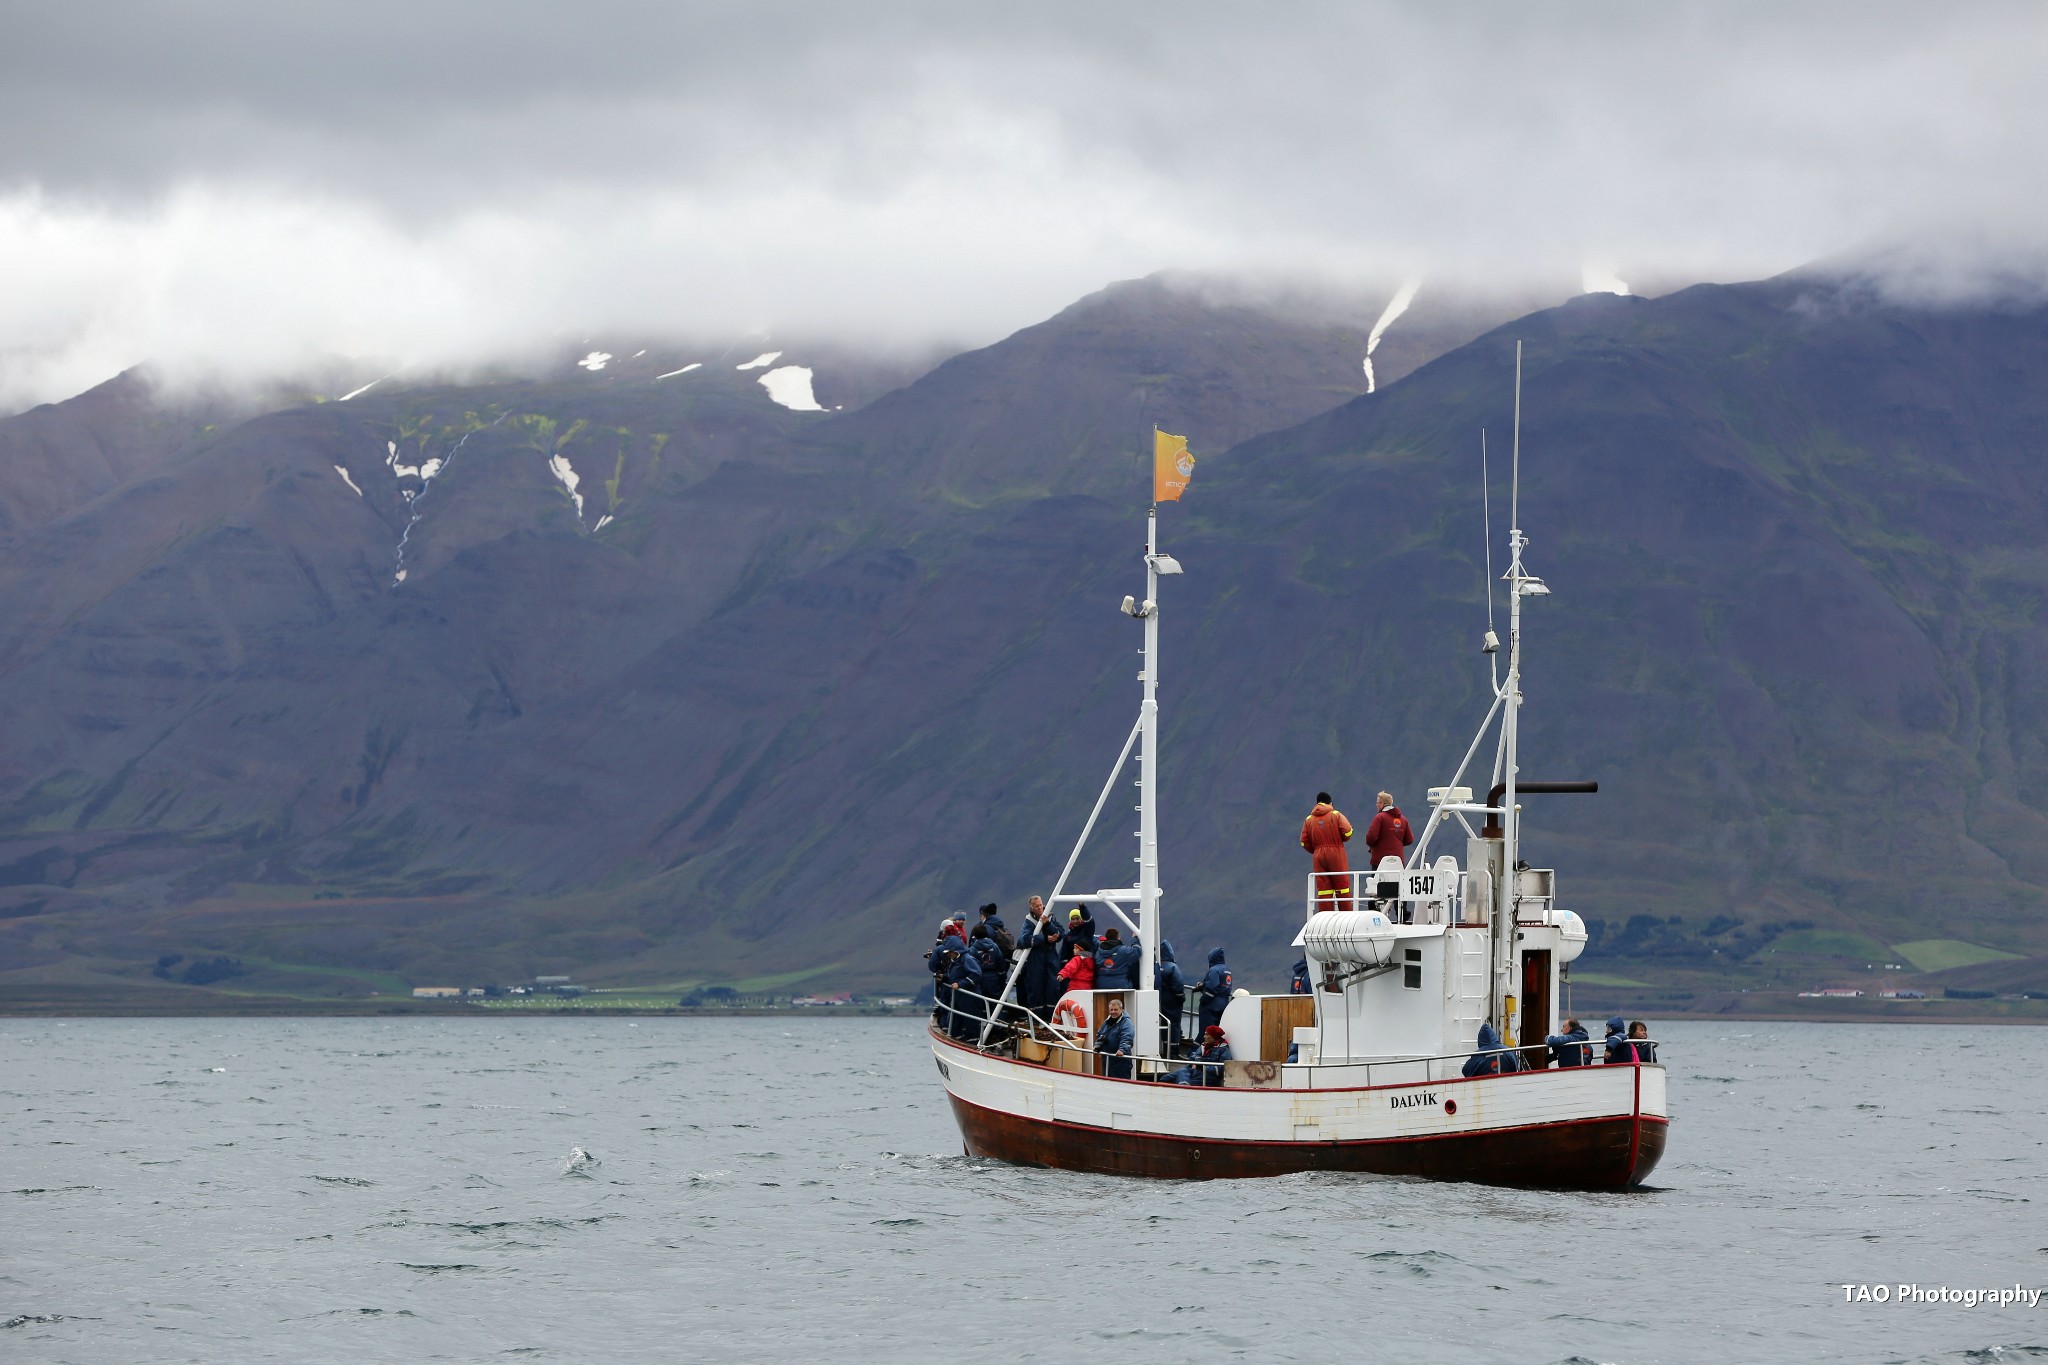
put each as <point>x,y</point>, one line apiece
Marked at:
<point>437,992</point>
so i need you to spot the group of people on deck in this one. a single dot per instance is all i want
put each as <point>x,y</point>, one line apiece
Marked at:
<point>1573,1047</point>
<point>971,968</point>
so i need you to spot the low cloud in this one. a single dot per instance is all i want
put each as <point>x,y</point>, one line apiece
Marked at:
<point>246,189</point>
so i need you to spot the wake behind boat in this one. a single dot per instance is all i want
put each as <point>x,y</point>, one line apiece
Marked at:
<point>1419,1048</point>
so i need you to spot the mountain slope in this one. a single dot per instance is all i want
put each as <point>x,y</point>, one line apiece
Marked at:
<point>822,675</point>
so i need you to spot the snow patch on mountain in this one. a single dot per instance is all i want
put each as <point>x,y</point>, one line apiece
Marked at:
<point>357,393</point>
<point>415,499</point>
<point>595,361</point>
<point>1396,306</point>
<point>791,386</point>
<point>765,358</point>
<point>399,471</point>
<point>347,480</point>
<point>693,365</point>
<point>565,474</point>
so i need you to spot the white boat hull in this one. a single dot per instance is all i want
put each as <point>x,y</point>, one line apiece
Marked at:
<point>1597,1127</point>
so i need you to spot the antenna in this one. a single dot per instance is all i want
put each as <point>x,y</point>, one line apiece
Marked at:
<point>1515,493</point>
<point>1486,515</point>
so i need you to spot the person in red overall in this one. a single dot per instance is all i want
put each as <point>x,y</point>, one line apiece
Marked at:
<point>1323,835</point>
<point>1389,834</point>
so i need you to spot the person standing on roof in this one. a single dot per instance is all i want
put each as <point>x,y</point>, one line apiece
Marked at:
<point>1078,974</point>
<point>1116,962</point>
<point>1080,931</point>
<point>1389,834</point>
<point>1323,834</point>
<point>1216,986</point>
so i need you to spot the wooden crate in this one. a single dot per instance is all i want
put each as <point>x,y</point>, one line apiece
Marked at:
<point>1071,1059</point>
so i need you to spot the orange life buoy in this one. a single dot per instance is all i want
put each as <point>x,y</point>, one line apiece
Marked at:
<point>1073,1012</point>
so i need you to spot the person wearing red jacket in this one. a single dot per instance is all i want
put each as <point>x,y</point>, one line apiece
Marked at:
<point>1323,835</point>
<point>1389,834</point>
<point>1079,973</point>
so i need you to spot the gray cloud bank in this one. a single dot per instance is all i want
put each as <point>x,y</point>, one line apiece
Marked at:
<point>238,186</point>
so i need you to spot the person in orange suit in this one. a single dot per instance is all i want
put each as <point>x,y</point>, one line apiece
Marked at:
<point>1323,835</point>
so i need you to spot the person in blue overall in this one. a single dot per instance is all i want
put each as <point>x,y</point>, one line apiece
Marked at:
<point>1569,1048</point>
<point>1173,995</point>
<point>1618,1050</point>
<point>1116,963</point>
<point>1039,987</point>
<point>1492,1058</point>
<point>964,977</point>
<point>1205,1066</point>
<point>1115,1040</point>
<point>1216,986</point>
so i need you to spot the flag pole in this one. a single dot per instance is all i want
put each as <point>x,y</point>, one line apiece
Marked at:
<point>1147,1002</point>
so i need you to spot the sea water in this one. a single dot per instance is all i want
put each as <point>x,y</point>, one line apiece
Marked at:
<point>606,1189</point>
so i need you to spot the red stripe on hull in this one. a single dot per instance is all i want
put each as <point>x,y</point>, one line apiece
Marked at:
<point>1587,1154</point>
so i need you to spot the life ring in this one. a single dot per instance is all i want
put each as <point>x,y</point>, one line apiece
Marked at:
<point>1073,1013</point>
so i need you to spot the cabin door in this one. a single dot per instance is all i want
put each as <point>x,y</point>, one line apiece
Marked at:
<point>1536,1023</point>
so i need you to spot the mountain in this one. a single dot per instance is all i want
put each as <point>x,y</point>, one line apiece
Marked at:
<point>377,684</point>
<point>785,682</point>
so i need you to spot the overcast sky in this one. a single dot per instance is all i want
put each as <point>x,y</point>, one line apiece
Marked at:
<point>243,183</point>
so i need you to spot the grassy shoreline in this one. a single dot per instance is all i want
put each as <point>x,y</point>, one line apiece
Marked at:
<point>53,1003</point>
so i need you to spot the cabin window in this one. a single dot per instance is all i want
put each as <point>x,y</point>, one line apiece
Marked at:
<point>1411,969</point>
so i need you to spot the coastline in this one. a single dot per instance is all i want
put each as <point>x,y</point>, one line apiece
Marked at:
<point>44,1002</point>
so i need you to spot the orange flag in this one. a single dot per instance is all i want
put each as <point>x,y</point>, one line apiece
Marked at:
<point>1172,466</point>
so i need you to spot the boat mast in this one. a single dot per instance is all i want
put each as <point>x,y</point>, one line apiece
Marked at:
<point>1147,999</point>
<point>1508,885</point>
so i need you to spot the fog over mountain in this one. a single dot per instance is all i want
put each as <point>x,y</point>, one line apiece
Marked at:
<point>488,489</point>
<point>242,189</point>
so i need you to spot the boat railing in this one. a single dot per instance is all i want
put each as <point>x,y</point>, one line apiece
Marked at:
<point>1013,1021</point>
<point>1390,895</point>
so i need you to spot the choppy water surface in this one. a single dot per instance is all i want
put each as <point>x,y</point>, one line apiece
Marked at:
<point>670,1189</point>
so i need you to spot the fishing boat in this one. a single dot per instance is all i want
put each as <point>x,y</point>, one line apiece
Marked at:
<point>1372,1069</point>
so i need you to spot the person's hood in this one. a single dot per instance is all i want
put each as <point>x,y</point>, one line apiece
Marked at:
<point>1165,951</point>
<point>1615,1025</point>
<point>1215,957</point>
<point>1322,808</point>
<point>1392,810</point>
<point>1489,1041</point>
<point>1579,1032</point>
<point>1301,966</point>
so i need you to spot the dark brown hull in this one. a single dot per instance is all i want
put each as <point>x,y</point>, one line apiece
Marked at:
<point>1589,1154</point>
